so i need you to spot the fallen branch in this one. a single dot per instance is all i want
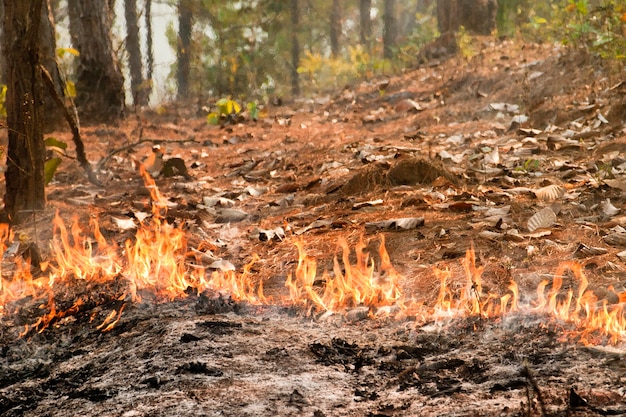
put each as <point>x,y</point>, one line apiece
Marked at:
<point>72,119</point>
<point>114,152</point>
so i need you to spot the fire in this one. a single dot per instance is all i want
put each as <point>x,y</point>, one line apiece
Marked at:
<point>350,285</point>
<point>592,319</point>
<point>87,270</point>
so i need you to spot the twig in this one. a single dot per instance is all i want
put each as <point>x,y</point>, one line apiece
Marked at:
<point>525,372</point>
<point>72,120</point>
<point>104,160</point>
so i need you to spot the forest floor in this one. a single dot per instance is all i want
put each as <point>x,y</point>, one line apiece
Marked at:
<point>518,152</point>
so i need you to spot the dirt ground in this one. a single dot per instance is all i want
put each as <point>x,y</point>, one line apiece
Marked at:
<point>519,152</point>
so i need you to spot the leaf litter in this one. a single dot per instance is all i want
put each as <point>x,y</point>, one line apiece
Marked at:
<point>445,169</point>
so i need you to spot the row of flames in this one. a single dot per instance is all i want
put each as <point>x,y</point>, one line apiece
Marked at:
<point>156,263</point>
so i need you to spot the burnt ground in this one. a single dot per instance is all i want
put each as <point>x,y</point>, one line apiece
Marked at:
<point>474,147</point>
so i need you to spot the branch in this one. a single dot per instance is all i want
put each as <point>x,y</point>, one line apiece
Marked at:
<point>104,160</point>
<point>72,120</point>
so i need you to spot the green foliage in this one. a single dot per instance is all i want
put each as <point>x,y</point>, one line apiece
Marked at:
<point>253,110</point>
<point>331,73</point>
<point>50,167</point>
<point>466,44</point>
<point>226,108</point>
<point>65,59</point>
<point>596,25</point>
<point>529,165</point>
<point>3,98</point>
<point>52,163</point>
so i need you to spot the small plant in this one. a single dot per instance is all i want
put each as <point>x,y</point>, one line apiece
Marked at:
<point>227,108</point>
<point>529,165</point>
<point>603,171</point>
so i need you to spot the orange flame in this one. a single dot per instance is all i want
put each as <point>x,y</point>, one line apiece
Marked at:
<point>350,286</point>
<point>155,264</point>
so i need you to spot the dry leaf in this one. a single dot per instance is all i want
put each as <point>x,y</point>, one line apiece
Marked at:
<point>124,224</point>
<point>404,223</point>
<point>608,209</point>
<point>543,219</point>
<point>550,192</point>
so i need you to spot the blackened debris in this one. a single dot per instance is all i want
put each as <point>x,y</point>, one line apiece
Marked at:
<point>199,368</point>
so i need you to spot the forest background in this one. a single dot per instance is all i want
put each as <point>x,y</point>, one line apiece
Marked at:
<point>237,57</point>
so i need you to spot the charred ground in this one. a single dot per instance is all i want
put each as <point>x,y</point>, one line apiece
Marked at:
<point>471,146</point>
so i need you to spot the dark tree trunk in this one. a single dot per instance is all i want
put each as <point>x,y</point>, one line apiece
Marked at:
<point>53,115</point>
<point>134,53</point>
<point>476,16</point>
<point>3,53</point>
<point>335,27</point>
<point>24,176</point>
<point>149,46</point>
<point>365,8</point>
<point>185,21</point>
<point>295,48</point>
<point>99,80</point>
<point>390,28</point>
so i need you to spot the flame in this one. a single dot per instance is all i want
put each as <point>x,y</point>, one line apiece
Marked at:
<point>350,286</point>
<point>87,270</point>
<point>592,320</point>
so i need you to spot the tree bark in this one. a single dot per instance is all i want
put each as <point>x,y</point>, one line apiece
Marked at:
<point>185,22</point>
<point>24,176</point>
<point>53,116</point>
<point>365,8</point>
<point>149,43</point>
<point>295,48</point>
<point>134,53</point>
<point>476,16</point>
<point>390,28</point>
<point>335,27</point>
<point>99,80</point>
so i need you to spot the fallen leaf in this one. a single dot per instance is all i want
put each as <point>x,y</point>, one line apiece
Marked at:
<point>404,223</point>
<point>124,224</point>
<point>542,219</point>
<point>550,192</point>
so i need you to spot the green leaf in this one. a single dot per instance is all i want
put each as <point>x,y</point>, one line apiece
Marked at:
<point>70,89</point>
<point>50,167</point>
<point>253,110</point>
<point>63,51</point>
<point>234,107</point>
<point>228,106</point>
<point>213,118</point>
<point>54,142</point>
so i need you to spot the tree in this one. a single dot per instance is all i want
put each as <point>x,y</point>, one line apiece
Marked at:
<point>335,27</point>
<point>26,152</point>
<point>365,33</point>
<point>52,113</point>
<point>99,80</point>
<point>390,28</point>
<point>185,21</point>
<point>476,16</point>
<point>149,46</point>
<point>134,53</point>
<point>295,48</point>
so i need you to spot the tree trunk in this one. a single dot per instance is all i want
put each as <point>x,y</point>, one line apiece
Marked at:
<point>295,48</point>
<point>185,22</point>
<point>24,176</point>
<point>134,53</point>
<point>149,46</point>
<point>365,9</point>
<point>99,80</point>
<point>476,16</point>
<point>53,115</point>
<point>335,27</point>
<point>390,28</point>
